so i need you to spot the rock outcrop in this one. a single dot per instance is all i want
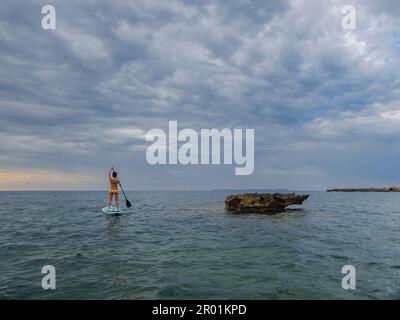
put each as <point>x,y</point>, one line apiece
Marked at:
<point>262,203</point>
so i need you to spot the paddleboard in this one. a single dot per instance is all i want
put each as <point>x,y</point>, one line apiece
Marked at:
<point>112,211</point>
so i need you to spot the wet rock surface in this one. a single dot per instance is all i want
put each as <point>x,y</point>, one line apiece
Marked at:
<point>262,203</point>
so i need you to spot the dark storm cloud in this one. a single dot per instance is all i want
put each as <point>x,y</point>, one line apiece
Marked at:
<point>83,96</point>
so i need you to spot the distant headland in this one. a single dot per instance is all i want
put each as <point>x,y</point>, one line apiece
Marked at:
<point>255,190</point>
<point>390,189</point>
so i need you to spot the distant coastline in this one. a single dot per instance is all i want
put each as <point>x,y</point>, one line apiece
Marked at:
<point>390,189</point>
<point>266,190</point>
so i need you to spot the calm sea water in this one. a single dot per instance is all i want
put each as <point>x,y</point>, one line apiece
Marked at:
<point>183,245</point>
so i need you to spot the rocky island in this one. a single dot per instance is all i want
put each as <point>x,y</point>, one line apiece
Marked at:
<point>390,189</point>
<point>262,203</point>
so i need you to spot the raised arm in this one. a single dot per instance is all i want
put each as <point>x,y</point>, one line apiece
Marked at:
<point>109,172</point>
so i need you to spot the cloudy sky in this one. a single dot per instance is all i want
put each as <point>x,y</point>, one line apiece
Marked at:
<point>324,101</point>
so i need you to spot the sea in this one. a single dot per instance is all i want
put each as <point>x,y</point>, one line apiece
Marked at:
<point>184,245</point>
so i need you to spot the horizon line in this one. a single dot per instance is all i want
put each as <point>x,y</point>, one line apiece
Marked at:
<point>163,190</point>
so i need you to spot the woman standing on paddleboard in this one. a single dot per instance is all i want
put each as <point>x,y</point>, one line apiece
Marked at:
<point>114,182</point>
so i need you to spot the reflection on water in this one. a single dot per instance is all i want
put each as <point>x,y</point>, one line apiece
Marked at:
<point>114,226</point>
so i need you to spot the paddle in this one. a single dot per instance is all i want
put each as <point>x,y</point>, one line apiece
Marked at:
<point>128,204</point>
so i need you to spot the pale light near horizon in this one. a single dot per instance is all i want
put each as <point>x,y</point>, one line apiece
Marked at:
<point>44,180</point>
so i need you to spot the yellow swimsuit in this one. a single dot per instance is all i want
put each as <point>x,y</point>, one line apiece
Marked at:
<point>114,185</point>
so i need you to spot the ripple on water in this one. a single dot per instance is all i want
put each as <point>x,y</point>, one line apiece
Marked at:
<point>185,245</point>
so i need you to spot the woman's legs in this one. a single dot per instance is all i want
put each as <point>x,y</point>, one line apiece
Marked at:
<point>116,200</point>
<point>110,196</point>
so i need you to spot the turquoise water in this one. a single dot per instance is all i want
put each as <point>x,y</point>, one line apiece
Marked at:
<point>183,245</point>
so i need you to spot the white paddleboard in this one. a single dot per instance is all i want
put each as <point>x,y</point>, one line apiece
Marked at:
<point>112,211</point>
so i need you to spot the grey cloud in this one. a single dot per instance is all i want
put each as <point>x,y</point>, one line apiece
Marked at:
<point>285,68</point>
